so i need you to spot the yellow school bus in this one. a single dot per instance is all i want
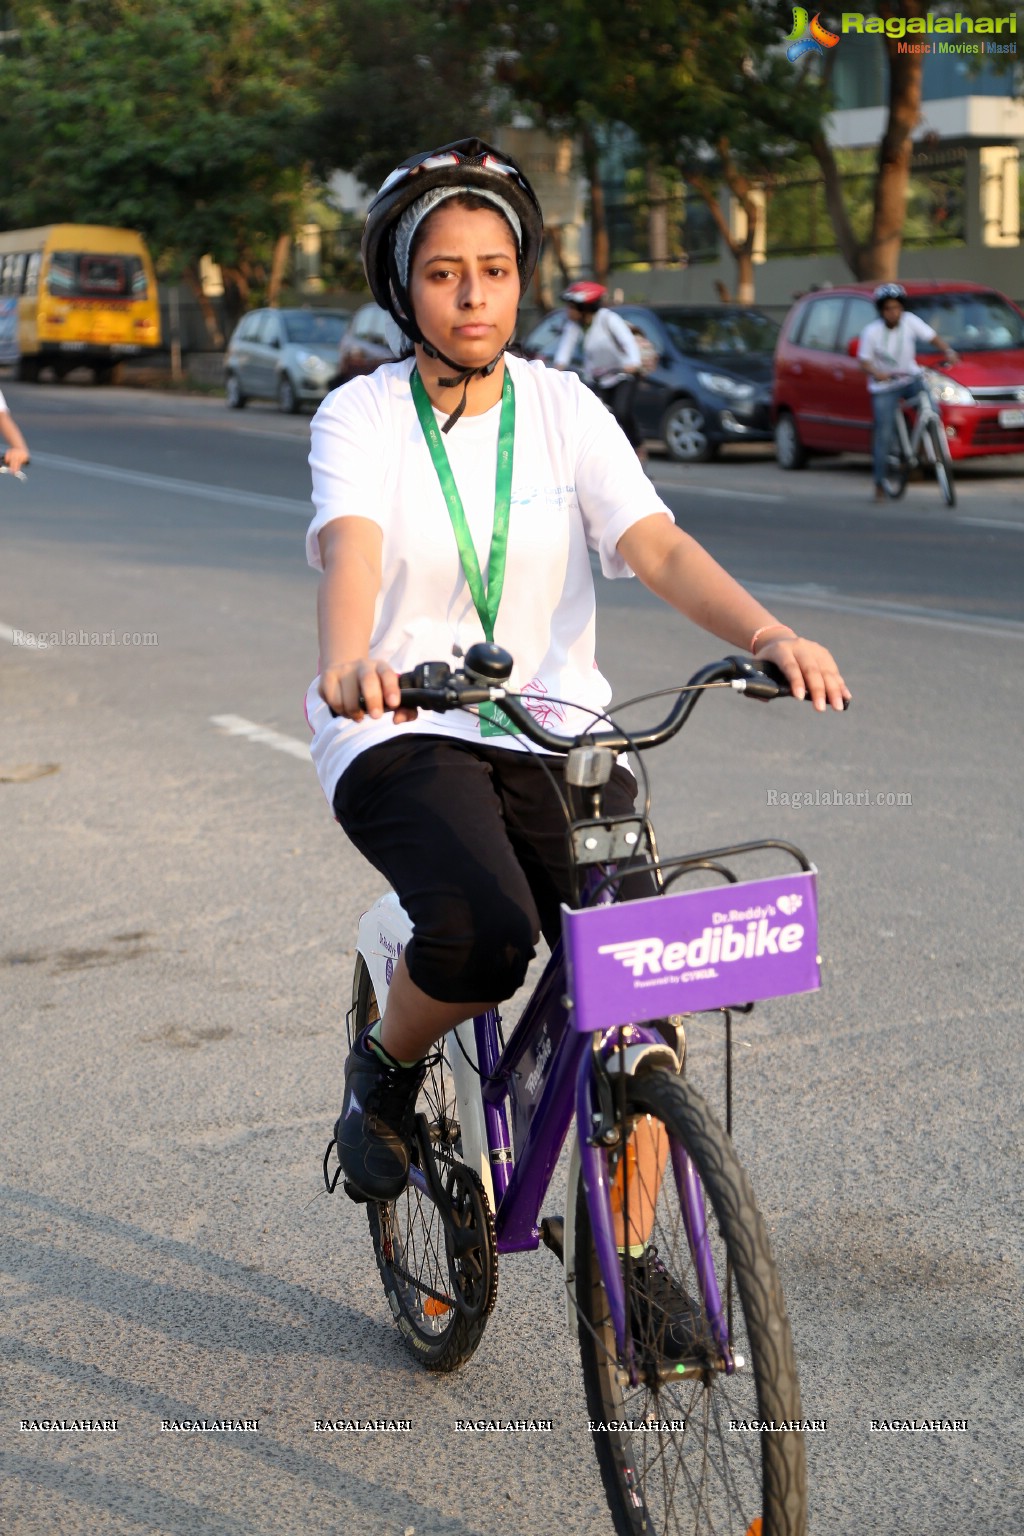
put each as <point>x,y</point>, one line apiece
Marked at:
<point>75,295</point>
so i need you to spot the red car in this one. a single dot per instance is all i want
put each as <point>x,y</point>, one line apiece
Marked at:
<point>820,401</point>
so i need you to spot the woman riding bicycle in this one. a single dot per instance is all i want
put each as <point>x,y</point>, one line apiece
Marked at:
<point>458,494</point>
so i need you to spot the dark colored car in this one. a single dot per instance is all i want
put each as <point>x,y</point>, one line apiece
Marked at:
<point>285,355</point>
<point>821,401</point>
<point>364,345</point>
<point>707,379</point>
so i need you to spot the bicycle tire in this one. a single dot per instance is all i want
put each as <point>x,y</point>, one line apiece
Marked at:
<point>943,462</point>
<point>407,1234</point>
<point>895,477</point>
<point>750,1482</point>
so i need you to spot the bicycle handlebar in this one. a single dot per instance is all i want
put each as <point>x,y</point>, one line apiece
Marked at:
<point>433,685</point>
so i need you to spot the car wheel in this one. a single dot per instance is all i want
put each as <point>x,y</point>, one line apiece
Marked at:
<point>789,450</point>
<point>233,392</point>
<point>685,435</point>
<point>287,399</point>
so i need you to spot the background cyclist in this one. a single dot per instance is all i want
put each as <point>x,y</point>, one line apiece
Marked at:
<point>612,361</point>
<point>458,494</point>
<point>887,352</point>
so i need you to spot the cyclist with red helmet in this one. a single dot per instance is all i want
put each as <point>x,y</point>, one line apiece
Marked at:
<point>611,354</point>
<point>458,495</point>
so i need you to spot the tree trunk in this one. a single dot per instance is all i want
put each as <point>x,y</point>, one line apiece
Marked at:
<point>657,217</point>
<point>278,268</point>
<point>237,291</point>
<point>836,204</point>
<point>554,243</point>
<point>880,257</point>
<point>206,309</point>
<point>598,218</point>
<point>741,250</point>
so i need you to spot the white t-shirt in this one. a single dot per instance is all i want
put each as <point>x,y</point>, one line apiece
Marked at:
<point>3,402</point>
<point>895,349</point>
<point>577,486</point>
<point>610,349</point>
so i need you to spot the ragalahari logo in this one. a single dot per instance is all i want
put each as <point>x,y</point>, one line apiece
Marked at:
<point>799,43</point>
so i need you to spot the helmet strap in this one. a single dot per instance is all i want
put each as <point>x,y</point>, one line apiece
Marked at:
<point>462,376</point>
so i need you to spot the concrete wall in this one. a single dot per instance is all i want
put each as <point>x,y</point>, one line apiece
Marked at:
<point>778,281</point>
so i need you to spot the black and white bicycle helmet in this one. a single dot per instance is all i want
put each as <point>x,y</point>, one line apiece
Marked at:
<point>886,291</point>
<point>465,165</point>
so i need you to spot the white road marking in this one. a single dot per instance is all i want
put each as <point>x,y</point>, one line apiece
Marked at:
<point>236,725</point>
<point>715,490</point>
<point>813,596</point>
<point>193,488</point>
<point>991,522</point>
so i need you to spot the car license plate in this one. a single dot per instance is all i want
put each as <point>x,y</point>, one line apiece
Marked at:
<point>1011,418</point>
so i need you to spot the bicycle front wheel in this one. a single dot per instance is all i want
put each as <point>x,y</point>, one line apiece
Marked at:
<point>686,1449</point>
<point>408,1233</point>
<point>943,462</point>
<point>897,473</point>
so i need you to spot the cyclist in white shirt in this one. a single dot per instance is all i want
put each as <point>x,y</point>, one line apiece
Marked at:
<point>16,455</point>
<point>459,460</point>
<point>887,352</point>
<point>612,361</point>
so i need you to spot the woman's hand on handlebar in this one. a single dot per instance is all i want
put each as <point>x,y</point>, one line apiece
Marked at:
<point>809,669</point>
<point>356,689</point>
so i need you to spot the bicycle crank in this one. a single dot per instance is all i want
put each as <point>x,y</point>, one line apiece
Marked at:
<point>470,1244</point>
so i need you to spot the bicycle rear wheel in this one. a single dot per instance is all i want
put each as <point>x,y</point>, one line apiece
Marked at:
<point>408,1234</point>
<point>897,473</point>
<point>943,462</point>
<point>706,1476</point>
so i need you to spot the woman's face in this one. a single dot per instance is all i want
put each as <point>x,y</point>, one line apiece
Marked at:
<point>464,282</point>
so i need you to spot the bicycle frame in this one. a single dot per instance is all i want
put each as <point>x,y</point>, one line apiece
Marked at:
<point>516,1104</point>
<point>544,1076</point>
<point>910,440</point>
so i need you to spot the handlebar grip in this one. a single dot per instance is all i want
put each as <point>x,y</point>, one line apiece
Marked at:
<point>764,680</point>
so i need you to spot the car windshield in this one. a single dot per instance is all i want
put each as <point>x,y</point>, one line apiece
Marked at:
<point>313,329</point>
<point>712,332</point>
<point>971,322</point>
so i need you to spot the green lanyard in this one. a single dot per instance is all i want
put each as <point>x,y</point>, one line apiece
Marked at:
<point>485,603</point>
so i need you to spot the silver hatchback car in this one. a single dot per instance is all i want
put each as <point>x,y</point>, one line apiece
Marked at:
<point>287,355</point>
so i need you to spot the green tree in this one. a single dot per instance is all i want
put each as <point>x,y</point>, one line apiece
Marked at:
<point>181,121</point>
<point>398,76</point>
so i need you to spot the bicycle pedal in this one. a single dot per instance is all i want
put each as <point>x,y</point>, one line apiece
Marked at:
<point>552,1231</point>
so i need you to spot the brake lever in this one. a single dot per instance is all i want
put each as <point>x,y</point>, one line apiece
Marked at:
<point>763,680</point>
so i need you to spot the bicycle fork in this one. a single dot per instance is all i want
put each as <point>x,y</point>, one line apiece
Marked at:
<point>597,1131</point>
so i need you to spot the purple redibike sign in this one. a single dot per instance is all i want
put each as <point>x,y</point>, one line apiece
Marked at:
<point>692,950</point>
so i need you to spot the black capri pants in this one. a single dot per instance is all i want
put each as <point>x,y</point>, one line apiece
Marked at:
<point>472,839</point>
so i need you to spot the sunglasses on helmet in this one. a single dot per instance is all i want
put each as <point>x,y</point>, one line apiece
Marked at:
<point>450,157</point>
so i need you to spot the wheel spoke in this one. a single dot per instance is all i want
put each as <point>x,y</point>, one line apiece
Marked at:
<point>705,1478</point>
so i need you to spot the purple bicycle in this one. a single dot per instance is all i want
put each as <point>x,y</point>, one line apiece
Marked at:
<point>688,1366</point>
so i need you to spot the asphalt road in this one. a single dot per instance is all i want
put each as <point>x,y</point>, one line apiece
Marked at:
<point>176,946</point>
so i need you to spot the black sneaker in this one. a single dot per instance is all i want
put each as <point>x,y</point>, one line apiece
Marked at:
<point>373,1131</point>
<point>665,1322</point>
